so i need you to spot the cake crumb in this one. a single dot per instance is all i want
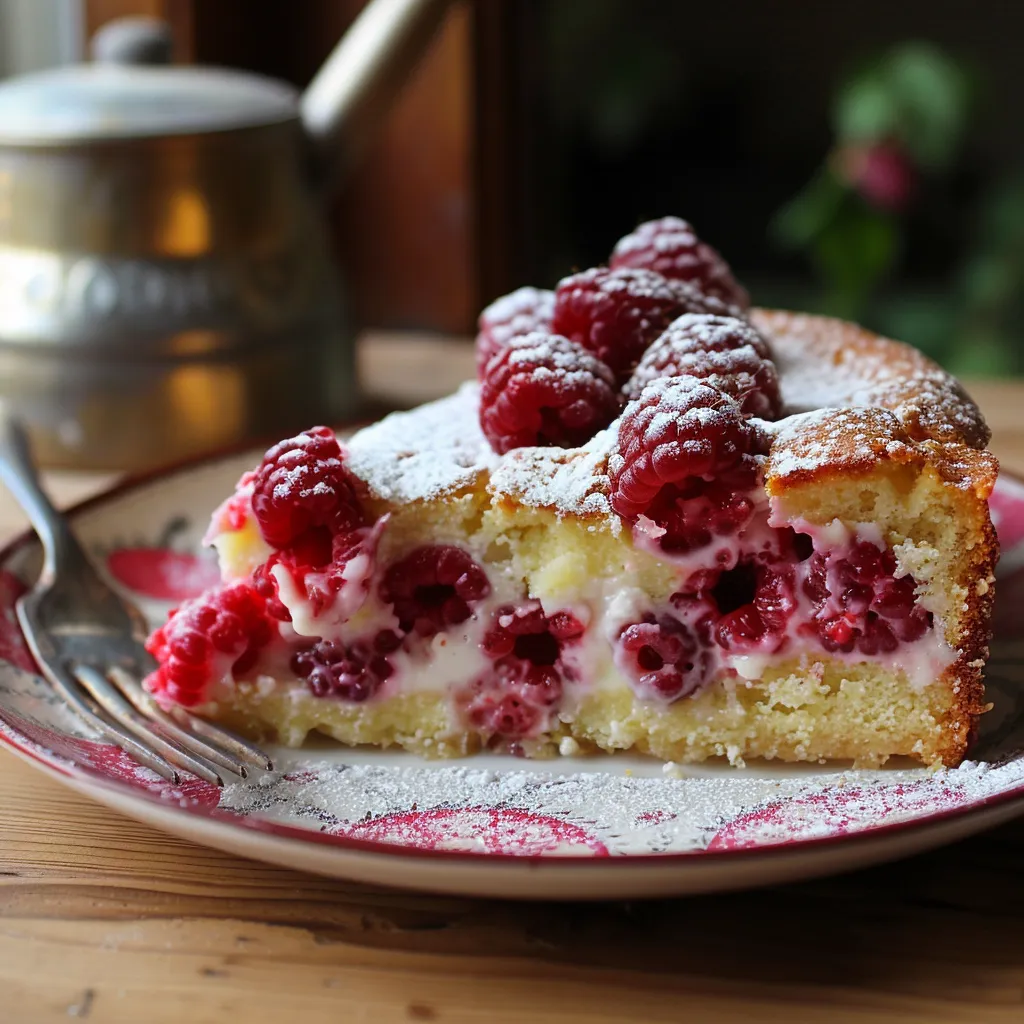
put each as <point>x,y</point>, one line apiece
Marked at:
<point>568,747</point>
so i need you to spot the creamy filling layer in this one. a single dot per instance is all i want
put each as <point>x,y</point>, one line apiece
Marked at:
<point>456,660</point>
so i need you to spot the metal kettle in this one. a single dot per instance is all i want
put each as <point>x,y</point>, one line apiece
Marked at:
<point>166,286</point>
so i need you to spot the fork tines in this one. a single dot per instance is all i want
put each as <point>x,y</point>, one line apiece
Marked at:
<point>199,747</point>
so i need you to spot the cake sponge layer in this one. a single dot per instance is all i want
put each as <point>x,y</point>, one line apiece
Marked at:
<point>795,712</point>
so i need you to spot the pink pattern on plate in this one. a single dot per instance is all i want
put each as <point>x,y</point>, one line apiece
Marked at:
<point>12,643</point>
<point>486,829</point>
<point>162,574</point>
<point>1007,514</point>
<point>834,812</point>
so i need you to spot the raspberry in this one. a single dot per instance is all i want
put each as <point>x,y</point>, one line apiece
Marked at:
<point>353,672</point>
<point>522,312</point>
<point>433,588</point>
<point>671,247</point>
<point>616,314</point>
<point>663,657</point>
<point>221,630</point>
<point>302,483</point>
<point>761,623</point>
<point>694,514</point>
<point>516,697</point>
<point>528,634</point>
<point>331,572</point>
<point>684,461</point>
<point>509,715</point>
<point>859,603</point>
<point>266,586</point>
<point>729,353</point>
<point>542,389</point>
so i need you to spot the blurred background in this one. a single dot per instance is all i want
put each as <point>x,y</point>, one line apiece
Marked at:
<point>859,158</point>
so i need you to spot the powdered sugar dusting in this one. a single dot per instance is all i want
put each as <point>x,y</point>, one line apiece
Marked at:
<point>828,363</point>
<point>431,451</point>
<point>834,379</point>
<point>808,441</point>
<point>517,313</point>
<point>574,481</point>
<point>548,352</point>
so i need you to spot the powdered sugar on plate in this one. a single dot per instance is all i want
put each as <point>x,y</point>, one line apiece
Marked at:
<point>577,806</point>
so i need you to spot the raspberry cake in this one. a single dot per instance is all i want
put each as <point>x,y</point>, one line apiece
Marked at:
<point>660,520</point>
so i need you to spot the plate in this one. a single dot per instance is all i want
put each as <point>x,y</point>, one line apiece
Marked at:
<point>598,827</point>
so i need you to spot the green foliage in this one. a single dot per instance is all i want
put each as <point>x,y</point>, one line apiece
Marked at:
<point>918,100</point>
<point>914,94</point>
<point>851,246</point>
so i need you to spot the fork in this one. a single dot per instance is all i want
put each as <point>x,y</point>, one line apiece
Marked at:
<point>88,643</point>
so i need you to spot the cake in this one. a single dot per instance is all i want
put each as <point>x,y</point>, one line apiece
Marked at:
<point>660,521</point>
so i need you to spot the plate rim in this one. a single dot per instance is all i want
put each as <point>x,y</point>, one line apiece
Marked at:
<point>83,778</point>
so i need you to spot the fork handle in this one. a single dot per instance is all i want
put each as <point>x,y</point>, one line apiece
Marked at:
<point>18,473</point>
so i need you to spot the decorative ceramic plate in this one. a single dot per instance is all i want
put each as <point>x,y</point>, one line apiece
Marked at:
<point>602,826</point>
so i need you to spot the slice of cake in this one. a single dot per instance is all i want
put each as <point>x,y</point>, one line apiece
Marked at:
<point>659,521</point>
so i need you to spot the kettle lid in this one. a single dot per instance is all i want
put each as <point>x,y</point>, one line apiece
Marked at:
<point>131,91</point>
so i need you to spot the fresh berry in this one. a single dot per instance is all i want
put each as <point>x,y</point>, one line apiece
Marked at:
<point>221,631</point>
<point>266,586</point>
<point>332,572</point>
<point>517,696</point>
<point>616,314</point>
<point>860,604</point>
<point>671,247</point>
<point>684,462</point>
<point>495,713</point>
<point>662,657</point>
<point>434,588</point>
<point>715,332</point>
<point>353,672</point>
<point>762,622</point>
<point>543,389</point>
<point>729,353</point>
<point>695,513</point>
<point>679,428</point>
<point>522,312</point>
<point>528,634</point>
<point>302,483</point>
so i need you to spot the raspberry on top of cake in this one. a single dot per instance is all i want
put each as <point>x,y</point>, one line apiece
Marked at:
<point>659,520</point>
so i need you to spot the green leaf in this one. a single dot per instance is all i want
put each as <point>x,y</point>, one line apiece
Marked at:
<point>808,214</point>
<point>989,281</point>
<point>853,254</point>
<point>925,319</point>
<point>931,94</point>
<point>915,94</point>
<point>981,352</point>
<point>864,110</point>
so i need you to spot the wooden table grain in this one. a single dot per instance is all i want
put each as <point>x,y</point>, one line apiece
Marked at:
<point>108,920</point>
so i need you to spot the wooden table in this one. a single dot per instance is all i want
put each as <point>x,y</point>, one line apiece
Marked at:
<point>107,920</point>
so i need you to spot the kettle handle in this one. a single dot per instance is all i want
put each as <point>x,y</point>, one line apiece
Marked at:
<point>350,95</point>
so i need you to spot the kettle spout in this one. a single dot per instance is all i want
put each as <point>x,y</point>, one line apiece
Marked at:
<point>351,94</point>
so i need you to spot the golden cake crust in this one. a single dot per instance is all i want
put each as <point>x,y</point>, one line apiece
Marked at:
<point>824,362</point>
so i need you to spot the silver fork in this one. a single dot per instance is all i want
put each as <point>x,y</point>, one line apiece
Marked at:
<point>88,642</point>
